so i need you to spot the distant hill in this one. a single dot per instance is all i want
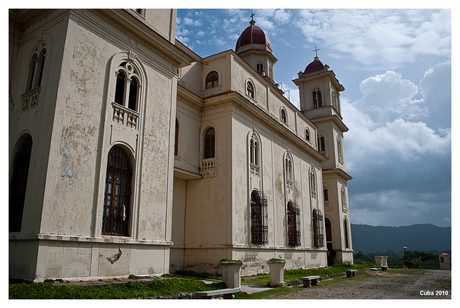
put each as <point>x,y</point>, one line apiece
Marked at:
<point>423,237</point>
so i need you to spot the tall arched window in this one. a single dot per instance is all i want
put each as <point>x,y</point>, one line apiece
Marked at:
<point>36,66</point>
<point>127,86</point>
<point>307,134</point>
<point>293,225</point>
<point>250,89</point>
<point>340,150</point>
<point>318,237</point>
<point>117,195</point>
<point>326,197</point>
<point>18,182</point>
<point>344,200</point>
<point>313,182</point>
<point>212,80</point>
<point>317,98</point>
<point>288,166</point>
<point>328,230</point>
<point>345,233</point>
<point>209,143</point>
<point>176,139</point>
<point>256,219</point>
<point>254,154</point>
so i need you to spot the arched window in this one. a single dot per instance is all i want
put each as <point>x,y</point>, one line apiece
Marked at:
<point>328,230</point>
<point>288,166</point>
<point>293,225</point>
<point>256,219</point>
<point>317,98</point>
<point>344,200</point>
<point>209,143</point>
<point>283,115</point>
<point>18,182</point>
<point>250,89</point>
<point>36,66</point>
<point>312,182</point>
<point>212,80</point>
<point>176,139</point>
<point>254,151</point>
<point>326,197</point>
<point>127,86</point>
<point>318,237</point>
<point>117,195</point>
<point>340,150</point>
<point>321,145</point>
<point>307,134</point>
<point>345,233</point>
<point>260,67</point>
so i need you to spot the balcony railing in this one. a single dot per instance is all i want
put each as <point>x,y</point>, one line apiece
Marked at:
<point>208,166</point>
<point>125,116</point>
<point>29,100</point>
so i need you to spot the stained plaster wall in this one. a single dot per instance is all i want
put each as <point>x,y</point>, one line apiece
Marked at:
<point>273,148</point>
<point>79,117</point>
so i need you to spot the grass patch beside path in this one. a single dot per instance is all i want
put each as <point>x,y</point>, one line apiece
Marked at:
<point>132,289</point>
<point>289,275</point>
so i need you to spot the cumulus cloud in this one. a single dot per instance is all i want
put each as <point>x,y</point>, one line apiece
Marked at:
<point>379,38</point>
<point>398,155</point>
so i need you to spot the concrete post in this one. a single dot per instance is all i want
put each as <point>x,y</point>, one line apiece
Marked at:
<point>231,273</point>
<point>276,273</point>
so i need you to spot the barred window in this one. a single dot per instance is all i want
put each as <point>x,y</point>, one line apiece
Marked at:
<point>293,213</point>
<point>18,184</point>
<point>318,237</point>
<point>117,197</point>
<point>256,219</point>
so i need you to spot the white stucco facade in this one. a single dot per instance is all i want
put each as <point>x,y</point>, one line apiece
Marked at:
<point>133,164</point>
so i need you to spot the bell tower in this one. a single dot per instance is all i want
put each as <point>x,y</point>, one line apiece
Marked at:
<point>319,92</point>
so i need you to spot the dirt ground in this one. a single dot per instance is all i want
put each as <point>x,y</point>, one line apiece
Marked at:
<point>424,285</point>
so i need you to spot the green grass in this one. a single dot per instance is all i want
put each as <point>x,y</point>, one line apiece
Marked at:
<point>132,289</point>
<point>289,275</point>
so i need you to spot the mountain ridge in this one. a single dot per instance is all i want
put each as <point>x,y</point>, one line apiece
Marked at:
<point>421,237</point>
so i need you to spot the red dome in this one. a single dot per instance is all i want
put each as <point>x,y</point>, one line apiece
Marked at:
<point>253,35</point>
<point>314,66</point>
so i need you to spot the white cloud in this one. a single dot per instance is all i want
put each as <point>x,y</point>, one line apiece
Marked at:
<point>191,22</point>
<point>386,122</point>
<point>200,33</point>
<point>379,38</point>
<point>282,16</point>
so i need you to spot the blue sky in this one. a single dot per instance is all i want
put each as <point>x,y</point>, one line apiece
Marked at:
<point>395,65</point>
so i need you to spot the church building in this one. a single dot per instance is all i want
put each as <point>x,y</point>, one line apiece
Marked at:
<point>129,154</point>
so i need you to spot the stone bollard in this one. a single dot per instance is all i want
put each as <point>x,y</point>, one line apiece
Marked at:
<point>276,272</point>
<point>381,261</point>
<point>231,273</point>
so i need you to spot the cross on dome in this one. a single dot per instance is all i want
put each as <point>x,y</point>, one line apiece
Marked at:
<point>252,22</point>
<point>316,51</point>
